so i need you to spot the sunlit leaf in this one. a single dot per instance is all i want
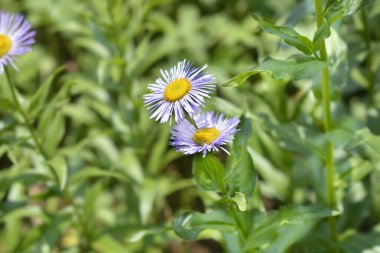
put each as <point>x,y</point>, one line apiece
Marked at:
<point>40,96</point>
<point>139,234</point>
<point>295,68</point>
<point>58,163</point>
<point>51,129</point>
<point>90,172</point>
<point>107,244</point>
<point>366,145</point>
<point>352,6</point>
<point>240,200</point>
<point>288,34</point>
<point>334,13</point>
<point>266,230</point>
<point>189,225</point>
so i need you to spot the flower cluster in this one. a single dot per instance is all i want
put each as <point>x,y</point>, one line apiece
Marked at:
<point>182,90</point>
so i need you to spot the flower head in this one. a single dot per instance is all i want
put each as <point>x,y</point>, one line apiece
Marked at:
<point>183,88</point>
<point>211,132</point>
<point>16,38</point>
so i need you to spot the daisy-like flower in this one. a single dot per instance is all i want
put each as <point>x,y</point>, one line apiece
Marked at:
<point>211,132</point>
<point>183,88</point>
<point>16,37</point>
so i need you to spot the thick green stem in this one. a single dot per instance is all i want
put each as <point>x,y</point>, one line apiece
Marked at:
<point>27,122</point>
<point>327,121</point>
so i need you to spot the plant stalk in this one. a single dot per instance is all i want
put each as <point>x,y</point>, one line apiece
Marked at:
<point>368,62</point>
<point>27,121</point>
<point>327,121</point>
<point>65,194</point>
<point>240,226</point>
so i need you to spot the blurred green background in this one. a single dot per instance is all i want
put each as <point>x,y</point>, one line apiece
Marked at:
<point>117,174</point>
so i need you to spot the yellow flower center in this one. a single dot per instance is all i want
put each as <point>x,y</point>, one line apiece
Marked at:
<point>5,44</point>
<point>206,135</point>
<point>177,89</point>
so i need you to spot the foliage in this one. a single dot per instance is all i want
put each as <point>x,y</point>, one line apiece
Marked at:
<point>104,179</point>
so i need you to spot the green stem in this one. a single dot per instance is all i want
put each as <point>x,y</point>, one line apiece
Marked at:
<point>65,194</point>
<point>327,121</point>
<point>368,62</point>
<point>27,122</point>
<point>240,226</point>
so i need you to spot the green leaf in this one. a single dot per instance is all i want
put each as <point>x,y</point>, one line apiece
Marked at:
<point>131,165</point>
<point>295,67</point>
<point>52,130</point>
<point>297,138</point>
<point>288,34</point>
<point>365,145</point>
<point>24,212</point>
<point>333,14</point>
<point>287,235</point>
<point>189,225</point>
<point>9,177</point>
<point>158,150</point>
<point>320,35</point>
<point>139,234</point>
<point>241,78</point>
<point>86,173</point>
<point>241,201</point>
<point>59,165</point>
<point>107,244</point>
<point>50,233</point>
<point>39,98</point>
<point>6,105</point>
<point>231,242</point>
<point>273,176</point>
<point>352,6</point>
<point>266,227</point>
<point>241,176</point>
<point>302,214</point>
<point>209,172</point>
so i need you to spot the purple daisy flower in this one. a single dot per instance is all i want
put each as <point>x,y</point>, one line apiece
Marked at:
<point>16,37</point>
<point>183,88</point>
<point>211,132</point>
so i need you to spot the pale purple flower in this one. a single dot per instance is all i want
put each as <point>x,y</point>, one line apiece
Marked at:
<point>181,89</point>
<point>210,132</point>
<point>16,37</point>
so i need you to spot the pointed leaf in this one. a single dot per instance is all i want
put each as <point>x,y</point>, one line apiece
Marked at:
<point>268,225</point>
<point>90,172</point>
<point>295,68</point>
<point>352,6</point>
<point>52,130</point>
<point>366,145</point>
<point>189,225</point>
<point>209,172</point>
<point>39,98</point>
<point>241,176</point>
<point>288,34</point>
<point>241,201</point>
<point>334,13</point>
<point>59,165</point>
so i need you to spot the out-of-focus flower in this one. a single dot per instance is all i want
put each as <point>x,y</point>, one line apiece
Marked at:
<point>183,88</point>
